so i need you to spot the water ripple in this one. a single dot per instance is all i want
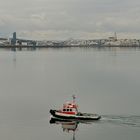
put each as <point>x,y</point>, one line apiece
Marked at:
<point>133,121</point>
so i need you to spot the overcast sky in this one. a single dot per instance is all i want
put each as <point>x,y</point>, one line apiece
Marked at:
<point>64,19</point>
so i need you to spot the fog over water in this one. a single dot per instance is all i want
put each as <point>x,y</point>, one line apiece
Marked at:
<point>105,81</point>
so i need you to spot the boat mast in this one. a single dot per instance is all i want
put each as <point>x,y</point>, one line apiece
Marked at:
<point>74,102</point>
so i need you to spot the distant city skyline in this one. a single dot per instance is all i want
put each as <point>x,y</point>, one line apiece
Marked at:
<point>64,19</point>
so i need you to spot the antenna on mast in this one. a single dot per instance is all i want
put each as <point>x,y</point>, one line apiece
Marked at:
<point>74,97</point>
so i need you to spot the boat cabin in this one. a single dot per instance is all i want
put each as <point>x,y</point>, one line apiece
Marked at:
<point>70,108</point>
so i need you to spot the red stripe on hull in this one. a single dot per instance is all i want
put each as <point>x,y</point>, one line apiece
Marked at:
<point>73,113</point>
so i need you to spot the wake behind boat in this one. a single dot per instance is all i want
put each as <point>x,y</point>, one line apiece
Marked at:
<point>70,112</point>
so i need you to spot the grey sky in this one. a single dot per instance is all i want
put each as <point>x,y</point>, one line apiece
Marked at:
<point>63,19</point>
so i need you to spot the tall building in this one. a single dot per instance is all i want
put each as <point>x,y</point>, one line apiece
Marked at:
<point>13,40</point>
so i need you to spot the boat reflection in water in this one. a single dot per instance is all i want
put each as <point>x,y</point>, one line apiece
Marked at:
<point>68,125</point>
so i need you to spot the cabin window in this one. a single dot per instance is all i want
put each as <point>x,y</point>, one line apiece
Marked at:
<point>70,109</point>
<point>67,109</point>
<point>64,109</point>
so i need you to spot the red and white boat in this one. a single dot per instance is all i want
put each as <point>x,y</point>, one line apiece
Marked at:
<point>70,112</point>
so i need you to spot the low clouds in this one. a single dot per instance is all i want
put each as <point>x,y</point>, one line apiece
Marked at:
<point>63,19</point>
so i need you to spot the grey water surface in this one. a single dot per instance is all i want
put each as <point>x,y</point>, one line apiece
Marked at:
<point>105,81</point>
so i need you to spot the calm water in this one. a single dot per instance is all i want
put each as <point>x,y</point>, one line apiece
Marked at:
<point>106,81</point>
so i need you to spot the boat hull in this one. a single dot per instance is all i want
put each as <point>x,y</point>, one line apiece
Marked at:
<point>79,116</point>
